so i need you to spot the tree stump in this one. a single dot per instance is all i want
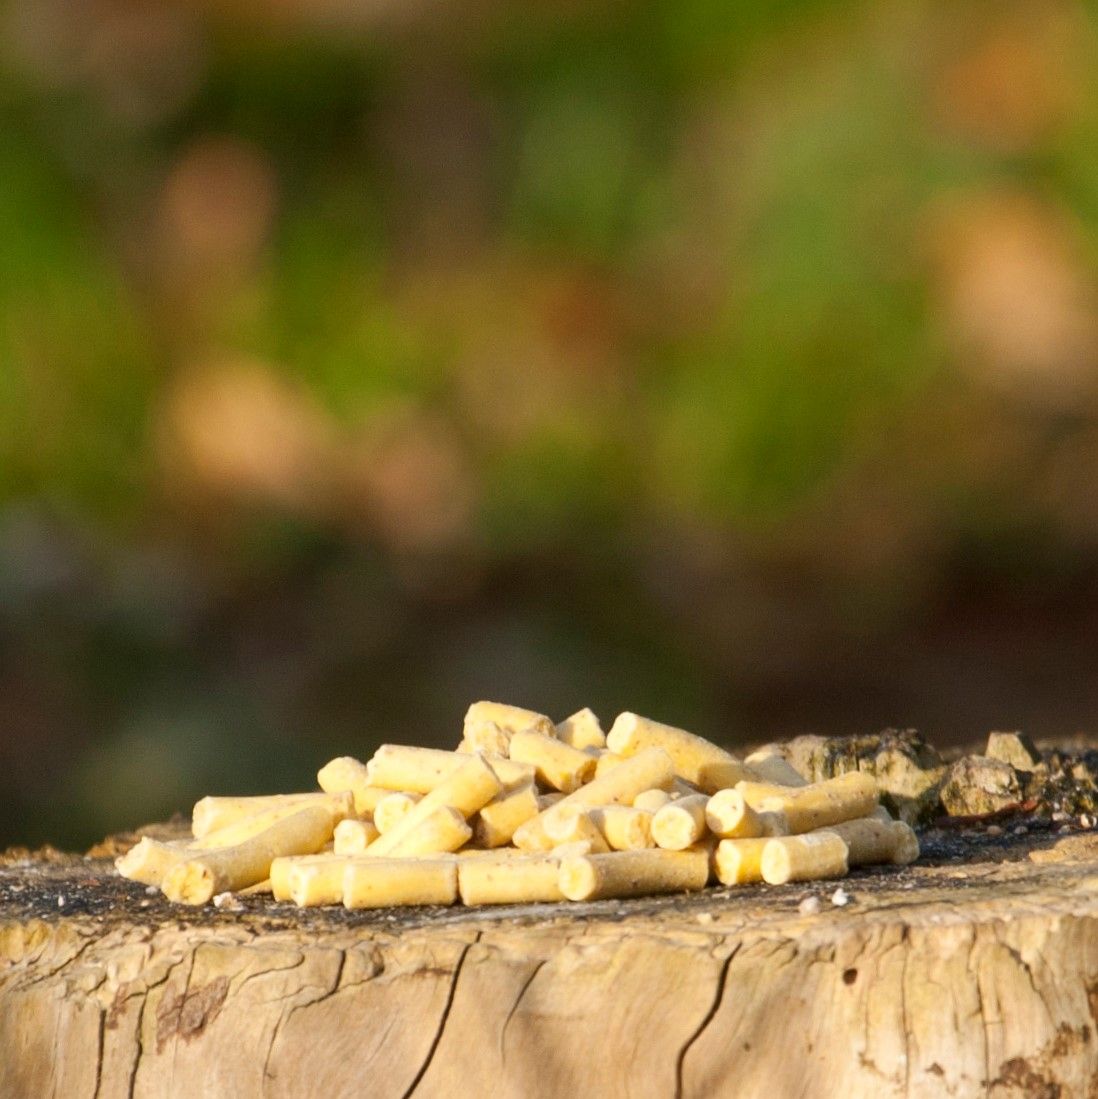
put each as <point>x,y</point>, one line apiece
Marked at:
<point>972,974</point>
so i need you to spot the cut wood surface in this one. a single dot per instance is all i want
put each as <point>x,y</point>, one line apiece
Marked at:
<point>972,974</point>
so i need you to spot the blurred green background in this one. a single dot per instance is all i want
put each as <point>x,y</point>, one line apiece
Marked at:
<point>736,364</point>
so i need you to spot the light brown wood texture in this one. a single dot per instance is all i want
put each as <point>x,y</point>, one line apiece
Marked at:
<point>975,978</point>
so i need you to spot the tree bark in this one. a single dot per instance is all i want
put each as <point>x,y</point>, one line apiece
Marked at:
<point>977,978</point>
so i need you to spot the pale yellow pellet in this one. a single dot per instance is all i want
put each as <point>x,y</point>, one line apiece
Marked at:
<point>149,860</point>
<point>393,808</point>
<point>348,773</point>
<point>577,827</point>
<point>633,873</point>
<point>524,880</point>
<point>651,800</point>
<point>341,806</point>
<point>739,861</point>
<point>444,830</point>
<point>485,737</point>
<point>317,881</point>
<point>511,719</point>
<point>769,765</point>
<point>408,769</point>
<point>582,730</point>
<point>870,840</point>
<point>214,814</point>
<point>647,770</point>
<point>382,883</point>
<point>496,823</point>
<point>681,824</point>
<point>729,816</point>
<point>695,759</point>
<point>555,764</point>
<point>830,802</point>
<point>804,858</point>
<point>352,837</point>
<point>468,789</point>
<point>205,873</point>
<point>606,761</point>
<point>625,827</point>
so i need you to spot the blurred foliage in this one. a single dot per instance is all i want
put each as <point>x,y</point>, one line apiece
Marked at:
<point>734,363</point>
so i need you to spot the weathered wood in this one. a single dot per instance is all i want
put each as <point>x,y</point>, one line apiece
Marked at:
<point>974,978</point>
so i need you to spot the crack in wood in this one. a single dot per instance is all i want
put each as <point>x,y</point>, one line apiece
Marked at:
<point>442,1019</point>
<point>699,1030</point>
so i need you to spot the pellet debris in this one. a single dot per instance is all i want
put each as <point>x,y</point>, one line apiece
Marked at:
<point>526,810</point>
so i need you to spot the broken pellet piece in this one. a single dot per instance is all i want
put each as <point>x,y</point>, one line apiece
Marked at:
<point>582,730</point>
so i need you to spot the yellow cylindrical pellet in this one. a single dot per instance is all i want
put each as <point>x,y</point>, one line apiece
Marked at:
<point>525,880</point>
<point>606,761</point>
<point>633,873</point>
<point>383,883</point>
<point>582,730</point>
<point>214,814</point>
<point>318,880</point>
<point>467,790</point>
<point>739,861</point>
<point>485,737</point>
<point>830,802</point>
<point>870,840</point>
<point>352,837</point>
<point>511,719</point>
<point>555,764</point>
<point>393,808</point>
<point>804,858</point>
<point>647,770</point>
<point>769,765</point>
<point>625,827</point>
<point>696,759</point>
<point>443,831</point>
<point>340,806</point>
<point>651,800</point>
<point>419,770</point>
<point>496,823</point>
<point>681,824</point>
<point>348,773</point>
<point>729,816</point>
<point>205,873</point>
<point>149,860</point>
<point>576,827</point>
